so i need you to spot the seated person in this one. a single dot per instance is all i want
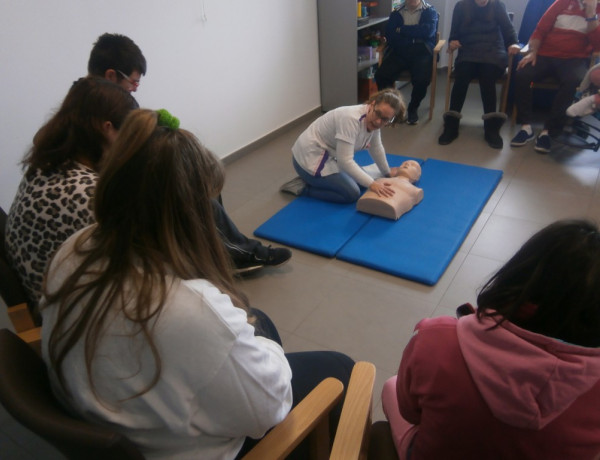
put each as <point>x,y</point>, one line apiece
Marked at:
<point>589,98</point>
<point>521,377</point>
<point>144,329</point>
<point>323,155</point>
<point>54,198</point>
<point>484,36</point>
<point>560,47</point>
<point>410,34</point>
<point>118,59</point>
<point>405,197</point>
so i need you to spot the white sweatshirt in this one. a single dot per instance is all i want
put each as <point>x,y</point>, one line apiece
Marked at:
<point>219,383</point>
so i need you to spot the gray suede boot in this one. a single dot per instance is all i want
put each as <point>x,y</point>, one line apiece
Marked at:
<point>451,122</point>
<point>492,122</point>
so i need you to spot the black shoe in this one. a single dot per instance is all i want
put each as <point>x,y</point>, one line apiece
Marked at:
<point>412,118</point>
<point>248,267</point>
<point>277,256</point>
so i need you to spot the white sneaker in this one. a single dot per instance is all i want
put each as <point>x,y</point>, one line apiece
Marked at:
<point>583,107</point>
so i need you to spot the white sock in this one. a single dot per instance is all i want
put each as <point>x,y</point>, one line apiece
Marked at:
<point>527,129</point>
<point>582,108</point>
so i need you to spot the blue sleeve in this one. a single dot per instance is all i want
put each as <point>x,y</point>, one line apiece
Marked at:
<point>397,33</point>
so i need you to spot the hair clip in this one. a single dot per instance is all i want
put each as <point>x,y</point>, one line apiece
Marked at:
<point>167,120</point>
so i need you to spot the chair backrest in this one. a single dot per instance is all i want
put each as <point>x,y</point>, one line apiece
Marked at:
<point>26,394</point>
<point>534,10</point>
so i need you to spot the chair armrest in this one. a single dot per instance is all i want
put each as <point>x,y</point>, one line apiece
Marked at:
<point>438,47</point>
<point>25,327</point>
<point>312,412</point>
<point>352,436</point>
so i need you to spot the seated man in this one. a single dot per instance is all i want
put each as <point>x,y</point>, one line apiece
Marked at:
<point>559,47</point>
<point>407,195</point>
<point>411,36</point>
<point>117,58</point>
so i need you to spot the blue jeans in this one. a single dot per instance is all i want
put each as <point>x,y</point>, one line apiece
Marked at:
<point>338,187</point>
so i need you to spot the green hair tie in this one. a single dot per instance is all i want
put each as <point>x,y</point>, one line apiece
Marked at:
<point>167,120</point>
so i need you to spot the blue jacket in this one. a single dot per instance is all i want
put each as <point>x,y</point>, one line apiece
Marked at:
<point>399,36</point>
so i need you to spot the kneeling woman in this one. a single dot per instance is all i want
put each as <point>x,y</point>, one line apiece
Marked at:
<point>323,155</point>
<point>143,328</point>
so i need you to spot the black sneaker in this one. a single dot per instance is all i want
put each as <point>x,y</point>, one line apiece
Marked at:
<point>412,118</point>
<point>277,256</point>
<point>248,267</point>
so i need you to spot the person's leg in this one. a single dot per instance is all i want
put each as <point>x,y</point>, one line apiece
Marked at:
<point>464,72</point>
<point>391,66</point>
<point>310,368</point>
<point>420,74</point>
<point>338,187</point>
<point>245,252</point>
<point>569,73</point>
<point>488,74</point>
<point>523,79</point>
<point>263,325</point>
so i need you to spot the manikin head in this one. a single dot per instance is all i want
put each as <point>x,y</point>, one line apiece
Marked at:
<point>409,169</point>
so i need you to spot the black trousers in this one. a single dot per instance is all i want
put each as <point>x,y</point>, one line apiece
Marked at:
<point>568,73</point>
<point>240,247</point>
<point>417,60</point>
<point>487,74</point>
<point>309,368</point>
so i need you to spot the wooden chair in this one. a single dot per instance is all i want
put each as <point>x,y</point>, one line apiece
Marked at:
<point>14,296</point>
<point>26,394</point>
<point>405,75</point>
<point>504,80</point>
<point>352,436</point>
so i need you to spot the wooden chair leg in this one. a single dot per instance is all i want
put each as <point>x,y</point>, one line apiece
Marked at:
<point>432,90</point>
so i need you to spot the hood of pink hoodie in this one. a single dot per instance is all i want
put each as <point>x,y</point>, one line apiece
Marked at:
<point>526,379</point>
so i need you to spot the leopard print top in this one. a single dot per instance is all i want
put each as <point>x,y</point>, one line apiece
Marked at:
<point>47,209</point>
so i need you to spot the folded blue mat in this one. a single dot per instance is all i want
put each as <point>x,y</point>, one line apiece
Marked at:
<point>319,226</point>
<point>421,244</point>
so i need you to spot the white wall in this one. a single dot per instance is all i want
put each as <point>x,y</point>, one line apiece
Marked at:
<point>231,70</point>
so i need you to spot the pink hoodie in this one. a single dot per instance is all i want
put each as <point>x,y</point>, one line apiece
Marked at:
<point>500,393</point>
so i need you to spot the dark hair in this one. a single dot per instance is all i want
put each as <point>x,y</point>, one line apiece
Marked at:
<point>75,131</point>
<point>155,226</point>
<point>117,52</point>
<point>394,99</point>
<point>551,286</point>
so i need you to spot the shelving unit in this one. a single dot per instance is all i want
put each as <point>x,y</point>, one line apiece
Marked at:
<point>338,42</point>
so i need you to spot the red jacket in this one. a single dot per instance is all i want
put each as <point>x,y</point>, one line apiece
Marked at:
<point>562,31</point>
<point>504,393</point>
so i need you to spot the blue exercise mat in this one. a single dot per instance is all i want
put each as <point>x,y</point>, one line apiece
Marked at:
<point>318,226</point>
<point>421,244</point>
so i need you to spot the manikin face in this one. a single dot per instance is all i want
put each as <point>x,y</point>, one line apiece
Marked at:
<point>379,115</point>
<point>409,169</point>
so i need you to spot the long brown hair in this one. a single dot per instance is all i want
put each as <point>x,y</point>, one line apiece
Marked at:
<point>75,131</point>
<point>154,226</point>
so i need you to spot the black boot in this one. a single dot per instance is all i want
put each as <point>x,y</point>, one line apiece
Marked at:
<point>492,122</point>
<point>451,122</point>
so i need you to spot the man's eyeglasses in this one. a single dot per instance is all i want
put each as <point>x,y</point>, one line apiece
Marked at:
<point>131,81</point>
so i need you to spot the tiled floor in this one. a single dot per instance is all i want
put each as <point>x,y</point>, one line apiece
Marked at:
<point>318,303</point>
